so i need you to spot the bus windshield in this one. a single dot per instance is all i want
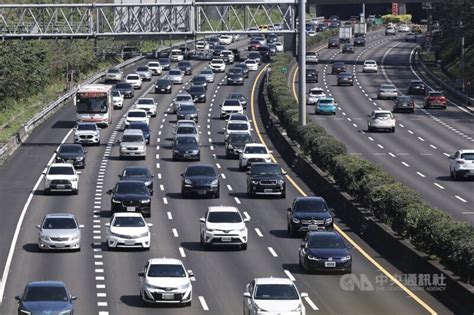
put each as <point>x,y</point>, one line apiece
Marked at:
<point>91,105</point>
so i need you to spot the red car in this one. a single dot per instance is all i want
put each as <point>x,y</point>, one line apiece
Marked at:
<point>435,99</point>
<point>254,45</point>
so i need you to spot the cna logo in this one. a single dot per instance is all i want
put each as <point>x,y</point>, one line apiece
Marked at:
<point>351,282</point>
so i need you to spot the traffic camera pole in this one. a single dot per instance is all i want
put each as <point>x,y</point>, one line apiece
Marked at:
<point>302,63</point>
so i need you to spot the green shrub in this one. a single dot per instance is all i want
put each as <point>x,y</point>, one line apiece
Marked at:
<point>390,18</point>
<point>308,132</point>
<point>324,149</point>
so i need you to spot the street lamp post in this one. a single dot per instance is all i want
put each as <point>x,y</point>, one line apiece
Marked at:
<point>302,64</point>
<point>461,65</point>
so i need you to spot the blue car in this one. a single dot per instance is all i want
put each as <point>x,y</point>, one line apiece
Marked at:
<point>325,105</point>
<point>45,297</point>
<point>143,127</point>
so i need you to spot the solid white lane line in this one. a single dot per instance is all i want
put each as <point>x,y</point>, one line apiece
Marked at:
<point>289,275</point>
<point>170,216</point>
<point>311,304</point>
<point>181,252</point>
<point>203,303</point>
<point>272,251</point>
<point>175,232</point>
<point>421,174</point>
<point>259,233</point>
<point>438,185</point>
<point>459,198</point>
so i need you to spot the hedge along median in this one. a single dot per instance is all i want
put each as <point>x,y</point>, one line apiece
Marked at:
<point>429,229</point>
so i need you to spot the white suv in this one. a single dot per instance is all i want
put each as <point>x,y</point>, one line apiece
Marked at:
<point>236,126</point>
<point>117,99</point>
<point>254,152</point>
<point>61,177</point>
<point>461,164</point>
<point>139,115</point>
<point>223,225</point>
<point>217,65</point>
<point>381,119</point>
<point>155,67</point>
<point>128,229</point>
<point>226,39</point>
<point>273,296</point>
<point>148,104</point>
<point>165,280</point>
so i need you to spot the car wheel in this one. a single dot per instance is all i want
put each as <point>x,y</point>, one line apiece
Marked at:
<point>455,175</point>
<point>291,231</point>
<point>75,192</point>
<point>184,194</point>
<point>217,194</point>
<point>147,215</point>
<point>47,191</point>
<point>187,303</point>
<point>283,194</point>
<point>393,129</point>
<point>371,129</point>
<point>243,246</point>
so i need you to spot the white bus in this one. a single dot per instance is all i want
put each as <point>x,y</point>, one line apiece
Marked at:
<point>94,104</point>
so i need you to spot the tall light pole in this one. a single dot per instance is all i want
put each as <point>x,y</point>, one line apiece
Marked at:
<point>462,57</point>
<point>301,61</point>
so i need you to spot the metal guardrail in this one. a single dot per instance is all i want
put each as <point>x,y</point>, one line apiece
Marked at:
<point>468,100</point>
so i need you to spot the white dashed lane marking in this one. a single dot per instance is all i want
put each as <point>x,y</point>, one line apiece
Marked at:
<point>272,251</point>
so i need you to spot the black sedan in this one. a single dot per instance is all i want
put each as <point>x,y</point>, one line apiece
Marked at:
<point>198,93</point>
<point>404,103</point>
<point>333,43</point>
<point>359,41</point>
<point>345,78</point>
<point>235,143</point>
<point>235,76</point>
<point>348,48</point>
<point>186,148</point>
<point>325,251</point>
<point>165,63</point>
<point>143,126</point>
<point>307,214</point>
<point>185,67</point>
<point>200,179</point>
<point>130,195</point>
<point>187,112</point>
<point>241,97</point>
<point>311,75</point>
<point>244,68</point>
<point>199,80</point>
<point>163,86</point>
<point>45,297</point>
<point>71,153</point>
<point>126,89</point>
<point>416,87</point>
<point>140,173</point>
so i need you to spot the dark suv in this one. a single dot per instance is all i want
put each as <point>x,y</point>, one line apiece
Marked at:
<point>338,67</point>
<point>266,179</point>
<point>71,153</point>
<point>344,78</point>
<point>416,87</point>
<point>235,143</point>
<point>130,195</point>
<point>311,75</point>
<point>308,214</point>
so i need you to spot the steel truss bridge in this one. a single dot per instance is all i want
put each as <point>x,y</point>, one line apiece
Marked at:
<point>177,18</point>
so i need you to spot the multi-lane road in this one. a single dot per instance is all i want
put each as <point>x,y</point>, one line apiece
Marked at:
<point>417,153</point>
<point>106,282</point>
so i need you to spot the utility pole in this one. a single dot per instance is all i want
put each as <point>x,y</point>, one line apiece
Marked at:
<point>302,63</point>
<point>462,57</point>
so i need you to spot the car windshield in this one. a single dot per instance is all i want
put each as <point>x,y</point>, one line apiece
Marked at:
<point>256,150</point>
<point>132,138</point>
<point>128,222</point>
<point>276,292</point>
<point>316,92</point>
<point>184,64</point>
<point>387,87</point>
<point>186,140</point>
<point>236,96</point>
<point>175,72</point>
<point>310,205</point>
<point>137,114</point>
<point>87,127</point>
<point>235,70</point>
<point>164,82</point>
<point>325,102</point>
<point>59,223</point>
<point>251,61</point>
<point>133,77</point>
<point>145,101</point>
<point>240,137</point>
<point>218,62</point>
<point>180,98</point>
<point>199,79</point>
<point>138,125</point>
<point>237,127</point>
<point>207,72</point>
<point>224,217</point>
<point>197,89</point>
<point>61,170</point>
<point>154,64</point>
<point>135,172</point>
<point>200,171</point>
<point>231,102</point>
<point>113,71</point>
<point>370,62</point>
<point>345,74</point>
<point>383,115</point>
<point>186,130</point>
<point>187,108</point>
<point>238,117</point>
<point>436,94</point>
<point>142,69</point>
<point>131,188</point>
<point>338,64</point>
<point>115,93</point>
<point>166,271</point>
<point>124,86</point>
<point>265,169</point>
<point>404,100</point>
<point>164,60</point>
<point>326,241</point>
<point>467,156</point>
<point>70,149</point>
<point>45,293</point>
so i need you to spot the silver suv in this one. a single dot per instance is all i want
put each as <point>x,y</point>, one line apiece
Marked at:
<point>133,144</point>
<point>114,74</point>
<point>59,231</point>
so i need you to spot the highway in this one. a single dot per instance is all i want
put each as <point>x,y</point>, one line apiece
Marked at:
<point>106,282</point>
<point>417,153</point>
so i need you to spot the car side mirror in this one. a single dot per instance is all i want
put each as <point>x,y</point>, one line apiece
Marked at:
<point>120,175</point>
<point>284,173</point>
<point>203,220</point>
<point>182,175</point>
<point>118,141</point>
<point>451,157</point>
<point>270,152</point>
<point>38,227</point>
<point>246,220</point>
<point>81,226</point>
<point>141,274</point>
<point>288,210</point>
<point>304,295</point>
<point>109,191</point>
<point>78,172</point>
<point>190,273</point>
<point>18,298</point>
<point>247,295</point>
<point>73,298</point>
<point>107,224</point>
<point>85,151</point>
<point>302,245</point>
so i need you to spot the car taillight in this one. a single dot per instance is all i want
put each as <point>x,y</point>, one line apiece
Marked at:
<point>460,161</point>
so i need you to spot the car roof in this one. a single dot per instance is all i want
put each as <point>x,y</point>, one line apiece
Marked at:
<point>370,60</point>
<point>127,214</point>
<point>255,145</point>
<point>135,167</point>
<point>381,111</point>
<point>466,151</point>
<point>387,85</point>
<point>309,198</point>
<point>324,233</point>
<point>326,99</point>
<point>272,280</point>
<point>130,181</point>
<point>59,215</point>
<point>70,145</point>
<point>199,165</point>
<point>145,98</point>
<point>133,132</point>
<point>48,283</point>
<point>137,110</point>
<point>165,261</point>
<point>61,164</point>
<point>223,209</point>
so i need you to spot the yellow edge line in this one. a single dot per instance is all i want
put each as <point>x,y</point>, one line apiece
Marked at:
<point>338,229</point>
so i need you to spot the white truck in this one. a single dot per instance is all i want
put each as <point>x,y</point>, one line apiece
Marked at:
<point>345,34</point>
<point>360,29</point>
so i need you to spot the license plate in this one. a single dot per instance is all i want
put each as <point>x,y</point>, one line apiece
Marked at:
<point>167,296</point>
<point>129,243</point>
<point>130,208</point>
<point>187,155</point>
<point>330,264</point>
<point>163,90</point>
<point>60,186</point>
<point>268,190</point>
<point>313,227</point>
<point>201,192</point>
<point>70,161</point>
<point>226,238</point>
<point>471,171</point>
<point>59,245</point>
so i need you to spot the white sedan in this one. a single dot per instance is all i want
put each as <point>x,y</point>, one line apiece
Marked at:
<point>370,66</point>
<point>251,64</point>
<point>127,229</point>
<point>135,80</point>
<point>314,95</point>
<point>217,65</point>
<point>381,120</point>
<point>139,115</point>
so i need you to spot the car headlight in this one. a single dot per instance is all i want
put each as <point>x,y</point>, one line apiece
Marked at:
<point>184,286</point>
<point>65,312</point>
<point>346,258</point>
<point>116,201</point>
<point>298,309</point>
<point>195,151</point>
<point>25,312</point>
<point>241,230</point>
<point>281,182</point>
<point>150,286</point>
<point>328,221</point>
<point>74,179</point>
<point>215,182</point>
<point>143,235</point>
<point>255,182</point>
<point>296,220</point>
<point>75,238</point>
<point>210,230</point>
<point>311,257</point>
<point>79,158</point>
<point>188,182</point>
<point>44,237</point>
<point>145,201</point>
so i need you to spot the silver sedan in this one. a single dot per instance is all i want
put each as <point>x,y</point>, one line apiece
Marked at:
<point>59,231</point>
